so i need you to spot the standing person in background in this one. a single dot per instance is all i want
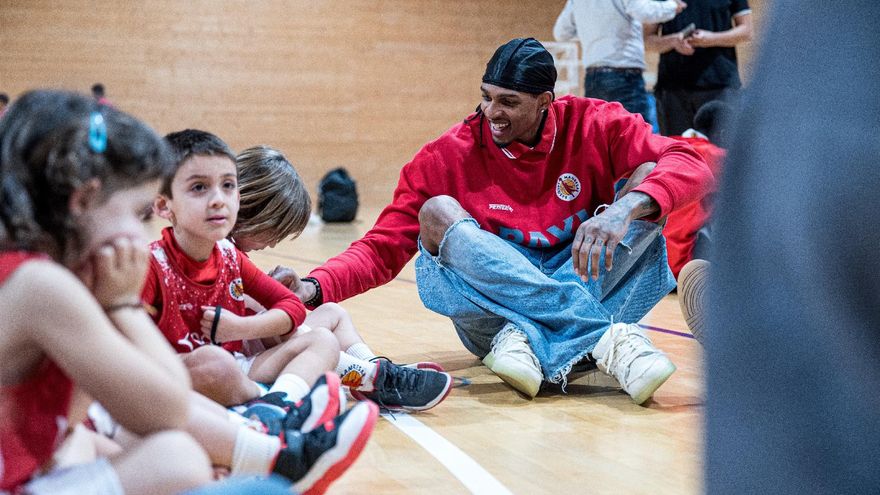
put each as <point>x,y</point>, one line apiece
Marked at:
<point>700,67</point>
<point>610,32</point>
<point>99,94</point>
<point>795,279</point>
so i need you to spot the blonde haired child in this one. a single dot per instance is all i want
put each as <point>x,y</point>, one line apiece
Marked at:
<point>274,206</point>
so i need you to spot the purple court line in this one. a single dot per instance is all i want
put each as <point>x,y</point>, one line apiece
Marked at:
<point>410,281</point>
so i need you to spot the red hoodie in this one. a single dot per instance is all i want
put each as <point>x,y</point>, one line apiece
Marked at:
<point>532,196</point>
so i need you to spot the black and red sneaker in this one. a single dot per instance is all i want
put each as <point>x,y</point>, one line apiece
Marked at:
<point>315,459</point>
<point>320,405</point>
<point>419,365</point>
<point>399,388</point>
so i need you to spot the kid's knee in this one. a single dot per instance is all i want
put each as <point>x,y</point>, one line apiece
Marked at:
<point>322,342</point>
<point>215,374</point>
<point>335,311</point>
<point>178,457</point>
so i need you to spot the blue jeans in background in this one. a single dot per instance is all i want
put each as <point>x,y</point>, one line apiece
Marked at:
<point>622,85</point>
<point>482,281</point>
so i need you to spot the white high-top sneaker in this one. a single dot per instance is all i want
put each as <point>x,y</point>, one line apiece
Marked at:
<point>626,353</point>
<point>512,359</point>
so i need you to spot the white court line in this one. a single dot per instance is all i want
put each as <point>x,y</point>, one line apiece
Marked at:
<point>471,474</point>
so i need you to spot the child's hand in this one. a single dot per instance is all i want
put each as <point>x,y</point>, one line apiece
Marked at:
<point>116,272</point>
<point>230,327</point>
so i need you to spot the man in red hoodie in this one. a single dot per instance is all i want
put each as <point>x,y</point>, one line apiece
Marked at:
<point>506,209</point>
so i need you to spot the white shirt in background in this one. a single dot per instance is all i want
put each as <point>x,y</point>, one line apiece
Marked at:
<point>610,31</point>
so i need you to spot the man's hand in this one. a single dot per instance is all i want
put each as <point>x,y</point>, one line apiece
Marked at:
<point>604,230</point>
<point>682,45</point>
<point>115,273</point>
<point>287,277</point>
<point>230,327</point>
<point>702,39</point>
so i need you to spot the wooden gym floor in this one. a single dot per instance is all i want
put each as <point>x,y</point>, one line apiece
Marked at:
<point>487,438</point>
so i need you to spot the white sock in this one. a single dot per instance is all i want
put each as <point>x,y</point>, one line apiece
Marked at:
<point>295,387</point>
<point>361,351</point>
<point>254,452</point>
<point>356,373</point>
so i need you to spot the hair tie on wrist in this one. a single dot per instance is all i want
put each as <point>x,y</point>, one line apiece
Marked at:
<point>215,324</point>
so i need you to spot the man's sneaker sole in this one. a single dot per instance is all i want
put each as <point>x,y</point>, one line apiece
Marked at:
<point>657,374</point>
<point>353,434</point>
<point>361,396</point>
<point>331,408</point>
<point>692,285</point>
<point>512,377</point>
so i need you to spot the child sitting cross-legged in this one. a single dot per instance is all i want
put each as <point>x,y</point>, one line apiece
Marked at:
<point>275,205</point>
<point>197,281</point>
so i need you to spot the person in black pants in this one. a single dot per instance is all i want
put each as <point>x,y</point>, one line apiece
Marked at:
<point>793,347</point>
<point>699,66</point>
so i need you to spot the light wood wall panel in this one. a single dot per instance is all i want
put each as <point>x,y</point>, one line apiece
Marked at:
<point>360,83</point>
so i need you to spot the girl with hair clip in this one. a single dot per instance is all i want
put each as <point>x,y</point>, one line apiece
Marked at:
<point>78,181</point>
<point>274,206</point>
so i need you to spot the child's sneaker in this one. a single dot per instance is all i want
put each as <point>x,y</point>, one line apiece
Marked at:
<point>627,354</point>
<point>406,389</point>
<point>315,459</point>
<point>419,365</point>
<point>320,405</point>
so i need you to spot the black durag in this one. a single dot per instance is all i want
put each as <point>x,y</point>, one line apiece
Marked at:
<point>522,64</point>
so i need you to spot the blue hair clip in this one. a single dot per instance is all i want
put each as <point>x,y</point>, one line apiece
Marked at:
<point>97,133</point>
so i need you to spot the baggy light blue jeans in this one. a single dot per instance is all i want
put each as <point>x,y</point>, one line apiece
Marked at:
<point>482,281</point>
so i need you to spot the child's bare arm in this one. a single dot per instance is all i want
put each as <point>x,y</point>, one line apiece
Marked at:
<point>118,274</point>
<point>68,324</point>
<point>232,327</point>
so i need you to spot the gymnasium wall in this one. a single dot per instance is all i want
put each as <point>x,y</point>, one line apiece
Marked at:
<point>358,83</point>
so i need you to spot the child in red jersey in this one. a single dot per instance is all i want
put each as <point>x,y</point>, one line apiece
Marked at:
<point>683,226</point>
<point>274,206</point>
<point>197,280</point>
<point>77,181</point>
<point>194,272</point>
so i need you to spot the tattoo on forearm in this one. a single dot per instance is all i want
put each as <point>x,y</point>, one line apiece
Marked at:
<point>639,204</point>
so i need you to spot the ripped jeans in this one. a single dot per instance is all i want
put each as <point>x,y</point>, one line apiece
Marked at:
<point>482,281</point>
